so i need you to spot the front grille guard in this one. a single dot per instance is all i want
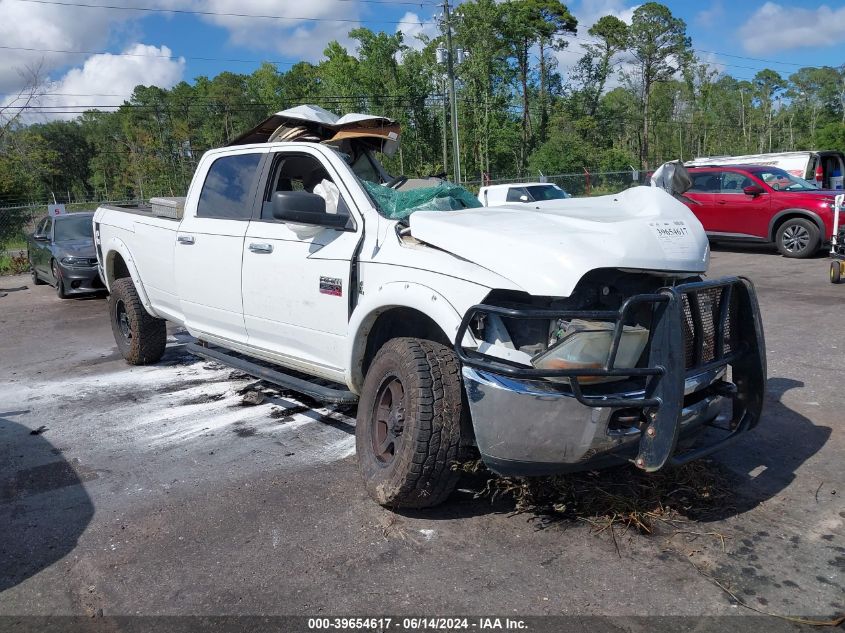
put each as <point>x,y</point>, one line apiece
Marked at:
<point>737,340</point>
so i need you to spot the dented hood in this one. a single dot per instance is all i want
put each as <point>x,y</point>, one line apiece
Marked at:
<point>546,248</point>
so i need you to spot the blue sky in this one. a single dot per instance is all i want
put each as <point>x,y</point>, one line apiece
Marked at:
<point>163,48</point>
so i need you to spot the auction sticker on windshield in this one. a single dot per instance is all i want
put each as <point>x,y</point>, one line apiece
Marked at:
<point>675,238</point>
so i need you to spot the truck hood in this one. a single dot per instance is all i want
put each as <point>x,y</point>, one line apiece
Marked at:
<point>545,248</point>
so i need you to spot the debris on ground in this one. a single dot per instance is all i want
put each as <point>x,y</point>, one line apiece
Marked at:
<point>623,497</point>
<point>252,398</point>
<point>38,431</point>
<point>287,414</point>
<point>253,386</point>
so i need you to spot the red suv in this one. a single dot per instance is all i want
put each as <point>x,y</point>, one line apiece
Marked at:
<point>761,204</point>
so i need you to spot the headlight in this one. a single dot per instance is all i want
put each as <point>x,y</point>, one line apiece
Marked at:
<point>79,261</point>
<point>586,345</point>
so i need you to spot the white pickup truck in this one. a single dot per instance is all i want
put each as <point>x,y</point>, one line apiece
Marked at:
<point>568,338</point>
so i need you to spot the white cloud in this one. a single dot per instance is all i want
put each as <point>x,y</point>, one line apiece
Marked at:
<point>299,35</point>
<point>113,75</point>
<point>588,13</point>
<point>67,28</point>
<point>39,26</point>
<point>412,27</point>
<point>775,27</point>
<point>708,18</point>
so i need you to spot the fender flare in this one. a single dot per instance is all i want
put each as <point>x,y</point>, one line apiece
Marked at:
<point>396,294</point>
<point>117,246</point>
<point>806,213</point>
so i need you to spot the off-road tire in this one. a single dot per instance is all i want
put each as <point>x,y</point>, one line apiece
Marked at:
<point>803,227</point>
<point>60,284</point>
<point>420,473</point>
<point>147,335</point>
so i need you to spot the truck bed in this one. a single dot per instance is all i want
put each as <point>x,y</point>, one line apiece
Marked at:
<point>145,210</point>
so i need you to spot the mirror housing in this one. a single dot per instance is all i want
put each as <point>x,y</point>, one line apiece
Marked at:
<point>753,190</point>
<point>41,238</point>
<point>301,207</point>
<point>523,198</point>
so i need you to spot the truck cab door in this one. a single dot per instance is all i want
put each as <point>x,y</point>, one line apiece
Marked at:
<point>209,246</point>
<point>296,278</point>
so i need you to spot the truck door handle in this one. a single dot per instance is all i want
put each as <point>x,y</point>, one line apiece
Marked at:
<point>185,239</point>
<point>261,248</point>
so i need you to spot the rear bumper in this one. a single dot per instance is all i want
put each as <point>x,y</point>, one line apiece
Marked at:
<point>525,425</point>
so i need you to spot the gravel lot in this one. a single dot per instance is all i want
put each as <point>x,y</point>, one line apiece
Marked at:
<point>153,491</point>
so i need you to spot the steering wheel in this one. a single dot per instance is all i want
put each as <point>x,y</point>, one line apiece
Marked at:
<point>397,182</point>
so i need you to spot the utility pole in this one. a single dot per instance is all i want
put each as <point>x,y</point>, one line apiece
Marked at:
<point>445,129</point>
<point>450,71</point>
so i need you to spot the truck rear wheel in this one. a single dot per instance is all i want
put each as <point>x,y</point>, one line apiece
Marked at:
<point>140,337</point>
<point>408,430</point>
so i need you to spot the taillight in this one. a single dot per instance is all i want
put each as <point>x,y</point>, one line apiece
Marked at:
<point>819,173</point>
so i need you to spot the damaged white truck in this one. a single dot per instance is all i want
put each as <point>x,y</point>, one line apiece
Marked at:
<point>576,335</point>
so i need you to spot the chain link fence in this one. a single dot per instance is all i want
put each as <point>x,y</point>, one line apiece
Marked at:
<point>575,184</point>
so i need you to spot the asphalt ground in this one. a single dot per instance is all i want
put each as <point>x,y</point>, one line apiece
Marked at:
<point>129,491</point>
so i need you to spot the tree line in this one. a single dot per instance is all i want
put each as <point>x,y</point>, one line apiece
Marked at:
<point>638,95</point>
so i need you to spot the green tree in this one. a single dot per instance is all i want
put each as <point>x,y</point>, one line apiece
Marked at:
<point>659,43</point>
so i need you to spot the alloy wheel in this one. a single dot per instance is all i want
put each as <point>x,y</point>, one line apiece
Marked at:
<point>795,238</point>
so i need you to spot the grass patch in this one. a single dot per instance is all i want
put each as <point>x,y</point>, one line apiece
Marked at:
<point>14,263</point>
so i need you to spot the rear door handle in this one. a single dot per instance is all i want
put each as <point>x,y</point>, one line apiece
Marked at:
<point>185,239</point>
<point>261,248</point>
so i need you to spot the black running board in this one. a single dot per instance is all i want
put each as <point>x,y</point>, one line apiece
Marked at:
<point>318,392</point>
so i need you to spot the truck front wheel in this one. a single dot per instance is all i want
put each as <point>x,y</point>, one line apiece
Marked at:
<point>140,337</point>
<point>408,430</point>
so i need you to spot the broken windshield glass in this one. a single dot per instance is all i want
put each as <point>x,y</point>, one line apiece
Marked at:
<point>398,205</point>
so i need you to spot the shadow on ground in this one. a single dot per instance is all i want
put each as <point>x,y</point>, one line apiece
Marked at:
<point>765,462</point>
<point>44,507</point>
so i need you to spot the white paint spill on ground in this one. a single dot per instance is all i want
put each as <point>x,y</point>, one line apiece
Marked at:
<point>428,534</point>
<point>193,407</point>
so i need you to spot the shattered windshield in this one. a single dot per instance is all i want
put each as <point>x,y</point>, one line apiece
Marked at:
<point>398,205</point>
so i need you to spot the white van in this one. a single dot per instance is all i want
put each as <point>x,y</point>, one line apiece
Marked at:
<point>825,168</point>
<point>495,195</point>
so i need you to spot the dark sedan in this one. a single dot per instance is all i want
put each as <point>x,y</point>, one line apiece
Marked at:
<point>62,254</point>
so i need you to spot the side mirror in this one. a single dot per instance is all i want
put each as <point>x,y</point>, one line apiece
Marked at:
<point>753,190</point>
<point>301,207</point>
<point>41,238</point>
<point>523,198</point>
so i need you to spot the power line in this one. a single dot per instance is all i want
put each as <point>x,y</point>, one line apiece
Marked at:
<point>206,59</point>
<point>214,13</point>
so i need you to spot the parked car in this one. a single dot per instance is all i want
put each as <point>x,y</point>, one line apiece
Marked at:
<point>496,195</point>
<point>826,169</point>
<point>554,340</point>
<point>61,253</point>
<point>761,204</point>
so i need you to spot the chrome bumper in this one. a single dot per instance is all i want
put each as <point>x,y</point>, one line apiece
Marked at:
<point>525,424</point>
<point>525,427</point>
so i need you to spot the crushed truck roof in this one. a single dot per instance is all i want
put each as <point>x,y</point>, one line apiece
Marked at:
<point>318,125</point>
